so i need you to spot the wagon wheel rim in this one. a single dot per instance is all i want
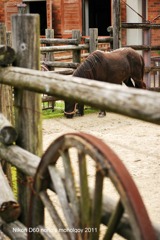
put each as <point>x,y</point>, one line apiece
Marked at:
<point>108,165</point>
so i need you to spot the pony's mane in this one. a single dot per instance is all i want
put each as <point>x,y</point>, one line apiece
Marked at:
<point>87,69</point>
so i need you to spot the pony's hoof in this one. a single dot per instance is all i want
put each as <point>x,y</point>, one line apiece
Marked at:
<point>101,114</point>
<point>70,116</point>
<point>78,114</point>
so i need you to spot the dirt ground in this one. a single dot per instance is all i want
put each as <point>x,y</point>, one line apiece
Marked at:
<point>136,143</point>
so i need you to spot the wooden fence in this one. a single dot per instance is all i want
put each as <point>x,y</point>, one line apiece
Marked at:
<point>65,55</point>
<point>152,65</point>
<point>28,81</point>
<point>79,47</point>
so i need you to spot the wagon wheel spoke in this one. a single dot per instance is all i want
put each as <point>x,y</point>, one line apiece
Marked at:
<point>97,206</point>
<point>46,234</point>
<point>85,203</point>
<point>70,184</point>
<point>114,221</point>
<point>84,209</point>
<point>53,213</point>
<point>60,191</point>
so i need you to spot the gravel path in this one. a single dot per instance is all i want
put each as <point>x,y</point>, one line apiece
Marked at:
<point>136,143</point>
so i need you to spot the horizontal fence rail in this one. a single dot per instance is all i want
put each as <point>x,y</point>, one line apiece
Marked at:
<point>140,25</point>
<point>61,64</point>
<point>59,41</point>
<point>64,48</point>
<point>144,47</point>
<point>141,104</point>
<point>101,40</point>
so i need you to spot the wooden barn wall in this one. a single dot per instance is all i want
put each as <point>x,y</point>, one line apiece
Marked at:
<point>7,9</point>
<point>49,14</point>
<point>56,18</point>
<point>154,12</point>
<point>123,19</point>
<point>2,18</point>
<point>71,16</point>
<point>65,15</point>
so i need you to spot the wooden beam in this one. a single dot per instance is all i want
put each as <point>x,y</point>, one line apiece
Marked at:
<point>140,25</point>
<point>25,161</point>
<point>27,104</point>
<point>61,64</point>
<point>7,55</point>
<point>8,134</point>
<point>76,54</point>
<point>59,41</point>
<point>116,23</point>
<point>9,208</point>
<point>144,47</point>
<point>64,48</point>
<point>14,230</point>
<point>137,103</point>
<point>93,43</point>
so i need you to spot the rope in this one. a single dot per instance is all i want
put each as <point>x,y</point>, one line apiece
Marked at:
<point>158,16</point>
<point>134,10</point>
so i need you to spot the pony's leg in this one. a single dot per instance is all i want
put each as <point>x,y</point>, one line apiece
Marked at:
<point>137,83</point>
<point>69,109</point>
<point>128,82</point>
<point>102,113</point>
<point>140,84</point>
<point>80,109</point>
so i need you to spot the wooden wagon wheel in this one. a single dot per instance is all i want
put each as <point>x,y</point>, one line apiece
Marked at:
<point>83,212</point>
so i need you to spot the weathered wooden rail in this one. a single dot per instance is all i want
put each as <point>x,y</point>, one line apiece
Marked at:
<point>73,45</point>
<point>140,104</point>
<point>27,82</point>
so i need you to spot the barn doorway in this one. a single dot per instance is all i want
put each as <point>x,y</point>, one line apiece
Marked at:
<point>97,14</point>
<point>38,7</point>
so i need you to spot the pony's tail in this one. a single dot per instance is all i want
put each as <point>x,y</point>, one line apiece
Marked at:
<point>143,66</point>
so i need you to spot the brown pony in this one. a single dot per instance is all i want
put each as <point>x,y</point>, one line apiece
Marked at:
<point>117,67</point>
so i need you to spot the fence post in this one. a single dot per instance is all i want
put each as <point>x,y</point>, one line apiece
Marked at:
<point>50,56</point>
<point>116,23</point>
<point>76,34</point>
<point>6,102</point>
<point>147,55</point>
<point>93,43</point>
<point>9,39</point>
<point>26,42</point>
<point>2,34</point>
<point>110,30</point>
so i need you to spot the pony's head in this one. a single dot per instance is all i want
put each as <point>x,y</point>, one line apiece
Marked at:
<point>140,84</point>
<point>144,85</point>
<point>69,109</point>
